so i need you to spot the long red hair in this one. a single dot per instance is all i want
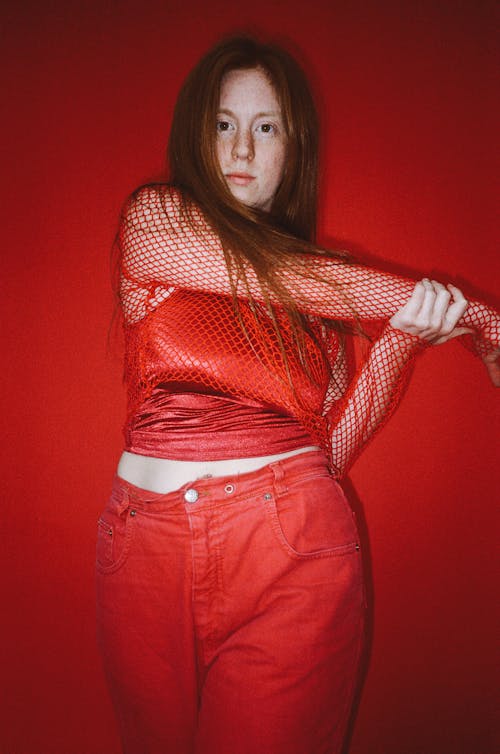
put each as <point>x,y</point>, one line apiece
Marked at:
<point>287,233</point>
<point>270,240</point>
<point>192,145</point>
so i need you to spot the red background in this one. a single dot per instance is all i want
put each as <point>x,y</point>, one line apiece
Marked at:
<point>407,100</point>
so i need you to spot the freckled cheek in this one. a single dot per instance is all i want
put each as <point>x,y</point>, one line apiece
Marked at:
<point>221,150</point>
<point>278,167</point>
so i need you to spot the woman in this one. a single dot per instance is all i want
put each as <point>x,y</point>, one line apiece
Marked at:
<point>230,595</point>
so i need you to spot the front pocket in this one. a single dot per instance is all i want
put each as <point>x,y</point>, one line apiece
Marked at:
<point>114,535</point>
<point>312,519</point>
<point>104,550</point>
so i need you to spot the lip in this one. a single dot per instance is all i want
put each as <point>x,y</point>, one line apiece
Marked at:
<point>240,179</point>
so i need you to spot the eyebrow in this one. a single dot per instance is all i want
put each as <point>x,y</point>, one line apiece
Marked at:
<point>271,113</point>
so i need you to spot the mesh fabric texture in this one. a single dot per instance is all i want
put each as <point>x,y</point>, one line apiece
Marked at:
<point>182,331</point>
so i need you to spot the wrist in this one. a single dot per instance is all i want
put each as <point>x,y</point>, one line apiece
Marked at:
<point>404,340</point>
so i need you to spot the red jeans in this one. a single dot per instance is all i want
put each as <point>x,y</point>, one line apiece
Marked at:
<point>230,612</point>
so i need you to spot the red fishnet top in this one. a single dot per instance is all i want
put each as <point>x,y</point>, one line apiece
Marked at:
<point>200,389</point>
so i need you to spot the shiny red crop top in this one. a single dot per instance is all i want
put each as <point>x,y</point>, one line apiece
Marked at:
<point>200,389</point>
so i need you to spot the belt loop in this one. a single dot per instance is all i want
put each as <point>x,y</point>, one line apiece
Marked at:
<point>123,505</point>
<point>279,477</point>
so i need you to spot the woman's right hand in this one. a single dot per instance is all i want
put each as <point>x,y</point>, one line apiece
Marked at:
<point>432,312</point>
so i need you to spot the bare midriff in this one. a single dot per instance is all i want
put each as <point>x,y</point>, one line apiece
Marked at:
<point>162,475</point>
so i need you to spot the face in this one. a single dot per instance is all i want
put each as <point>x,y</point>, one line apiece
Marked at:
<point>251,139</point>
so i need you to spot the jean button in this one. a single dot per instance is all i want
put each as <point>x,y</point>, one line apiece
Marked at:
<point>191,495</point>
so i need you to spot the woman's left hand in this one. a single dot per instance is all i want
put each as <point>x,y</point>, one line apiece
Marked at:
<point>432,312</point>
<point>492,364</point>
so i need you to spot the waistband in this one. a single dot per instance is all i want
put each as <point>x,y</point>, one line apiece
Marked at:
<point>279,473</point>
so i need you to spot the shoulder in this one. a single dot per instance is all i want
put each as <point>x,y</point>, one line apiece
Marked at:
<point>163,206</point>
<point>150,201</point>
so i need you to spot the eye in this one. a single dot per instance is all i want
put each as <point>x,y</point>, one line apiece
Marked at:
<point>266,128</point>
<point>223,126</point>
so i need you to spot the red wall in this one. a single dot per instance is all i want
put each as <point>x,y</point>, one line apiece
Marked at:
<point>406,92</point>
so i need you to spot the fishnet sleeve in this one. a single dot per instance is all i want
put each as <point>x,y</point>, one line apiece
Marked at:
<point>161,250</point>
<point>371,397</point>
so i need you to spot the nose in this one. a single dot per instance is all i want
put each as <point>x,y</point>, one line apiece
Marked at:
<point>243,148</point>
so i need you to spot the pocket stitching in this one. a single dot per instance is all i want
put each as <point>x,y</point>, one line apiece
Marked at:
<point>112,567</point>
<point>270,504</point>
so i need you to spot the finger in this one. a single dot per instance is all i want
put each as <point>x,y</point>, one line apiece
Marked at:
<point>440,307</point>
<point>455,310</point>
<point>424,316</point>
<point>492,364</point>
<point>455,333</point>
<point>414,303</point>
<point>493,368</point>
<point>493,356</point>
<point>405,318</point>
<point>457,294</point>
<point>433,310</point>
